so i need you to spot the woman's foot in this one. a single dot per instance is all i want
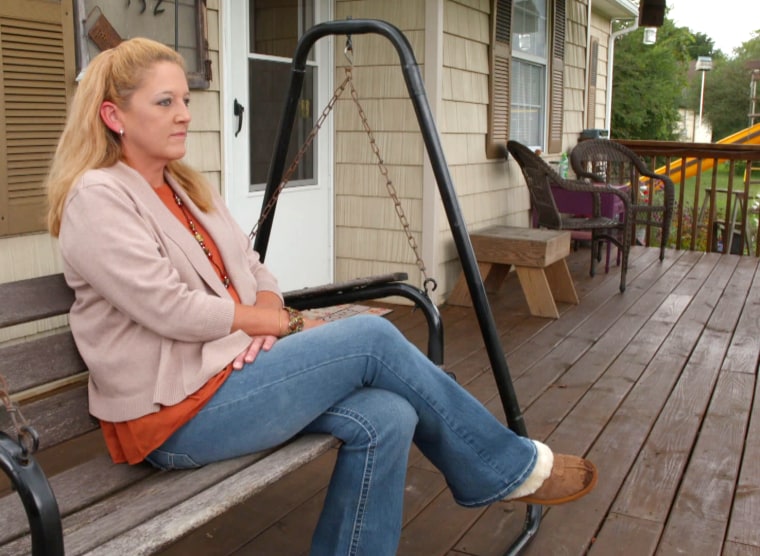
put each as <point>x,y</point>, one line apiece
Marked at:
<point>571,478</point>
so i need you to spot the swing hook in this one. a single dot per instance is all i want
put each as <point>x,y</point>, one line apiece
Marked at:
<point>430,285</point>
<point>348,50</point>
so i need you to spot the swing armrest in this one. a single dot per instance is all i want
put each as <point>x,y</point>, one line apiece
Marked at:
<point>306,294</point>
<point>375,287</point>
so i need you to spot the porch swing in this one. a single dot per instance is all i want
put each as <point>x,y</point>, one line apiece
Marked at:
<point>393,284</point>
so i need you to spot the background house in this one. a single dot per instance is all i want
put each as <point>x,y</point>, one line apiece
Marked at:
<point>532,70</point>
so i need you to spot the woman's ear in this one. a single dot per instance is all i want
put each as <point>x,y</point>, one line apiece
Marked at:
<point>109,115</point>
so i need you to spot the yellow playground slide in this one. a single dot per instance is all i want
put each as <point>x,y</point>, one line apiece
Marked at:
<point>747,136</point>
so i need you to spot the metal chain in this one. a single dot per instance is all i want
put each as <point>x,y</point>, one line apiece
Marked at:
<point>299,155</point>
<point>429,283</point>
<point>27,437</point>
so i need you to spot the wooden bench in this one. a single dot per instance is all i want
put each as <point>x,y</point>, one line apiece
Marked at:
<point>539,258</point>
<point>105,508</point>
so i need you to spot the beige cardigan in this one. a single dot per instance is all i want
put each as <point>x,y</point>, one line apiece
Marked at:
<point>151,318</point>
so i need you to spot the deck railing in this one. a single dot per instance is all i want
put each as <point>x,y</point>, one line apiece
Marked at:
<point>717,194</point>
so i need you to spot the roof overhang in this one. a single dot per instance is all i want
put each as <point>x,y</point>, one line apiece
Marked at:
<point>615,9</point>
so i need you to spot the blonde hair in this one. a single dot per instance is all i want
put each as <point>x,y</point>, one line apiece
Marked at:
<point>87,143</point>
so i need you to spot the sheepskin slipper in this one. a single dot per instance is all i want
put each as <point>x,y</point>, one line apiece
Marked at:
<point>571,478</point>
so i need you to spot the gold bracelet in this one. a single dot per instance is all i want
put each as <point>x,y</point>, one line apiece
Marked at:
<point>295,321</point>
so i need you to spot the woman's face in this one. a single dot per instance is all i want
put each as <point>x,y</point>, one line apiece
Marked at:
<point>156,118</point>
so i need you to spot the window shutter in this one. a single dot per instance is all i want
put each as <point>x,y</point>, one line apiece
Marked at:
<point>557,78</point>
<point>36,69</point>
<point>592,75</point>
<point>501,58</point>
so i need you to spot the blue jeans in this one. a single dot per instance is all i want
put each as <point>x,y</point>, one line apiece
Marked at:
<point>360,380</point>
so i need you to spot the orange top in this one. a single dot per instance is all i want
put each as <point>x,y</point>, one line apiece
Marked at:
<point>130,441</point>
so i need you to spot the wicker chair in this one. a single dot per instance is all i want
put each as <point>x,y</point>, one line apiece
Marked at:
<point>605,161</point>
<point>540,178</point>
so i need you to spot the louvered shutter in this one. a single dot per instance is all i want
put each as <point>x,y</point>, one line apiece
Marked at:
<point>593,62</point>
<point>557,77</point>
<point>36,73</point>
<point>501,59</point>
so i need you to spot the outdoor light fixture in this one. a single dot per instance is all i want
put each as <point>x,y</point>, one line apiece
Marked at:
<point>651,13</point>
<point>704,64</point>
<point>650,35</point>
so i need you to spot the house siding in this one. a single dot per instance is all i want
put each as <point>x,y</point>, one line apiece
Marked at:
<point>369,238</point>
<point>600,30</point>
<point>576,54</point>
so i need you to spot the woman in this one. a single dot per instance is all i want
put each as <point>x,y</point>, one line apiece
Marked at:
<point>193,357</point>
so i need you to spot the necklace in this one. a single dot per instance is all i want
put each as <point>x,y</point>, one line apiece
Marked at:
<point>202,241</point>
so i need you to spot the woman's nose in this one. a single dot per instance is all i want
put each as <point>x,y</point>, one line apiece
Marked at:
<point>183,114</point>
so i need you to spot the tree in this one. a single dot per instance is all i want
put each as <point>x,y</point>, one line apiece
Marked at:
<point>648,84</point>
<point>702,46</point>
<point>727,102</point>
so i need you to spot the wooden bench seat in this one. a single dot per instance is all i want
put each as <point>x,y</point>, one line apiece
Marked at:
<point>538,257</point>
<point>120,509</point>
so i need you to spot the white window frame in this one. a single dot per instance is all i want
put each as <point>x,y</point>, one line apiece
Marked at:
<point>521,57</point>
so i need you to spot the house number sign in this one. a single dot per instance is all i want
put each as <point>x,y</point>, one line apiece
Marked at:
<point>181,24</point>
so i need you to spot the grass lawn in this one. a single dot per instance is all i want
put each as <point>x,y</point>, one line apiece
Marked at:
<point>721,180</point>
<point>722,183</point>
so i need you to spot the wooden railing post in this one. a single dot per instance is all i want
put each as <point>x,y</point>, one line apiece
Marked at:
<point>687,164</point>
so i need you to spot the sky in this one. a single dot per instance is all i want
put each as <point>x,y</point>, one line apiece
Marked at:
<point>728,23</point>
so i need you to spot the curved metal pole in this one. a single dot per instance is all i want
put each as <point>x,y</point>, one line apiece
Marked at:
<point>39,502</point>
<point>414,84</point>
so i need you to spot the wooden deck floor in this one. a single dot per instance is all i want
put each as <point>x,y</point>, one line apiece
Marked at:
<point>657,386</point>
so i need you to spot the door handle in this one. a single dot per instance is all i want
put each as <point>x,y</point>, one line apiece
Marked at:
<point>238,110</point>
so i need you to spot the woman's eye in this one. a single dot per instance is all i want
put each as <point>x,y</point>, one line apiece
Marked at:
<point>187,102</point>
<point>165,102</point>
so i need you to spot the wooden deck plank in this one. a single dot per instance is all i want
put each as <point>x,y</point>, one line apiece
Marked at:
<point>546,372</point>
<point>658,471</point>
<point>745,515</point>
<point>524,358</point>
<point>449,521</point>
<point>626,534</point>
<point>618,445</point>
<point>558,401</point>
<point>596,408</point>
<point>737,549</point>
<point>492,534</point>
<point>698,520</point>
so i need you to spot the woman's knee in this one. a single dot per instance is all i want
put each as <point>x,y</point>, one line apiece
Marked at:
<point>370,415</point>
<point>373,327</point>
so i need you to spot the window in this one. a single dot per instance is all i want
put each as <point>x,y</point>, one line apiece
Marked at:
<point>529,63</point>
<point>527,74</point>
<point>275,28</point>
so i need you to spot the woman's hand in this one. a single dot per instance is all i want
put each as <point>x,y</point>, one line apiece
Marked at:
<point>264,343</point>
<point>258,343</point>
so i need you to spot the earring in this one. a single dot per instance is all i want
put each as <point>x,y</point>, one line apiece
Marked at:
<point>121,132</point>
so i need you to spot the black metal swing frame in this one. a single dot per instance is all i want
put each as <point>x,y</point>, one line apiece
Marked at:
<point>371,290</point>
